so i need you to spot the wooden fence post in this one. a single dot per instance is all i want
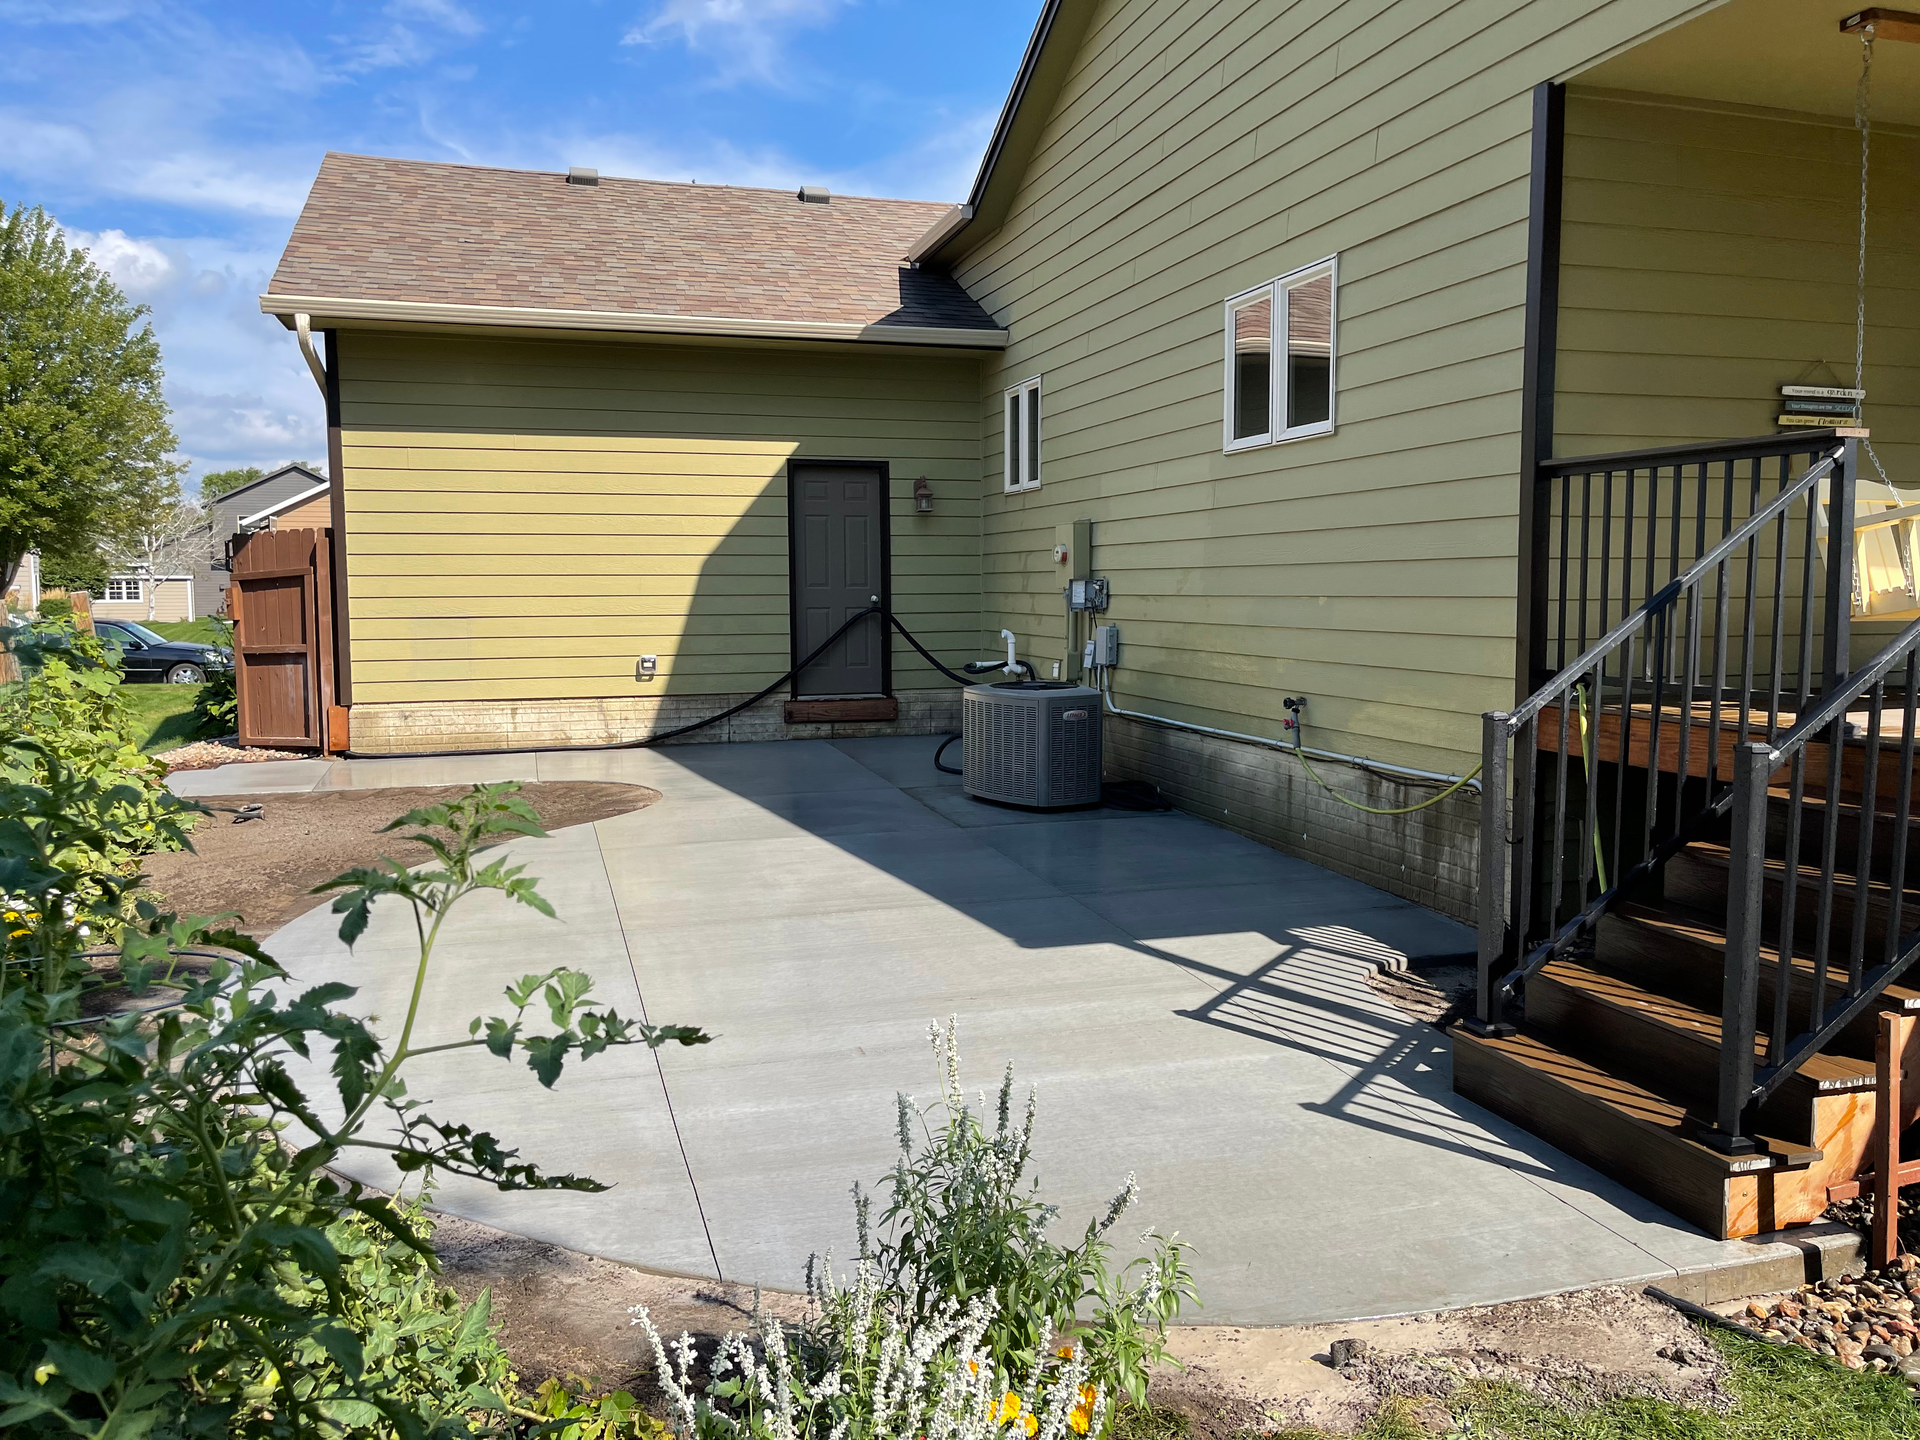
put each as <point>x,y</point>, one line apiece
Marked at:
<point>9,662</point>
<point>82,611</point>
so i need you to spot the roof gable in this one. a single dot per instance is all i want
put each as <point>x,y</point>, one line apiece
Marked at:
<point>395,239</point>
<point>289,478</point>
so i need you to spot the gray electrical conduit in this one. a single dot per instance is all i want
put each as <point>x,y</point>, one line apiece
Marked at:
<point>1286,747</point>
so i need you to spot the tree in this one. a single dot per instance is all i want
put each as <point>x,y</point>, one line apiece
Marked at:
<point>84,429</point>
<point>164,543</point>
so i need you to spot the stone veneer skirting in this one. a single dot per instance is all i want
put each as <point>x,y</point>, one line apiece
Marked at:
<point>390,729</point>
<point>1431,857</point>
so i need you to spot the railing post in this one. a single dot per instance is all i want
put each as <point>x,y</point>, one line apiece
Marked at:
<point>1489,1017</point>
<point>1740,984</point>
<point>1837,621</point>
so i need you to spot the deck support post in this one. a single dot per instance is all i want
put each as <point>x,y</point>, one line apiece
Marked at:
<point>1489,1015</point>
<point>1740,981</point>
<point>1890,1050</point>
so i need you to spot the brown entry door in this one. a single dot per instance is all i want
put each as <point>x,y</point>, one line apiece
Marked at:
<point>839,568</point>
<point>282,637</point>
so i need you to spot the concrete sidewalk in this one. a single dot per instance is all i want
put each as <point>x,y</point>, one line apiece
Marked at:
<point>1191,1005</point>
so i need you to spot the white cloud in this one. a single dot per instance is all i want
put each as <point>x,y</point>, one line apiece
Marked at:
<point>138,267</point>
<point>241,395</point>
<point>749,37</point>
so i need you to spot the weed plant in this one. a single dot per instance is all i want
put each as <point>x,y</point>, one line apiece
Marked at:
<point>175,1257</point>
<point>962,1320</point>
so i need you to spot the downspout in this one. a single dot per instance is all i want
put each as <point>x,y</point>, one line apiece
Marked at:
<point>303,328</point>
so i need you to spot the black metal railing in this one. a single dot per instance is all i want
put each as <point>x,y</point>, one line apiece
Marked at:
<point>1823,977</point>
<point>1680,610</point>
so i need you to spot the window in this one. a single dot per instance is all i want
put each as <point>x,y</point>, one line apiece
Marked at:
<point>1292,317</point>
<point>123,590</point>
<point>1023,436</point>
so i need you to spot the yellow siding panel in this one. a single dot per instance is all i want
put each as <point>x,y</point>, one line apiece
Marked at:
<point>526,517</point>
<point>1198,149</point>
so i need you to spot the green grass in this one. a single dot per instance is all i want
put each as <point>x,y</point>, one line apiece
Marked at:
<point>1780,1393</point>
<point>162,715</point>
<point>195,632</point>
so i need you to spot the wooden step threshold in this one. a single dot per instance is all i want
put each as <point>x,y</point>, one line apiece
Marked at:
<point>814,712</point>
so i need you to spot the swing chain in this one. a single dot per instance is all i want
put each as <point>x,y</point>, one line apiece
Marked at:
<point>1863,122</point>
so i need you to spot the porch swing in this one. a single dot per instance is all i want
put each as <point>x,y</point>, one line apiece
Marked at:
<point>1885,528</point>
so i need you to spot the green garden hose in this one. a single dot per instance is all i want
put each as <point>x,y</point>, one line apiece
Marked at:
<point>1300,755</point>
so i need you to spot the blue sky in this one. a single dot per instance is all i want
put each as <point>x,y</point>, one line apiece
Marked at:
<point>176,140</point>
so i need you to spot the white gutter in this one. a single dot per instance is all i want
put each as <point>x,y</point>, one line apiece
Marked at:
<point>434,312</point>
<point>1285,747</point>
<point>937,234</point>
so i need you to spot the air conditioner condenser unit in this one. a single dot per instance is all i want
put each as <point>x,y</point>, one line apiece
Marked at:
<point>1031,742</point>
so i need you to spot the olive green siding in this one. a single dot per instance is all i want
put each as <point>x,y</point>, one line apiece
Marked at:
<point>1199,149</point>
<point>1709,257</point>
<point>525,518</point>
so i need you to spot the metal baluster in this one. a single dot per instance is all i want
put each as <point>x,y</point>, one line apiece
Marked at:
<point>1530,843</point>
<point>1789,902</point>
<point>1664,623</point>
<point>1586,547</point>
<point>1493,864</point>
<point>1606,565</point>
<point>1902,816</point>
<point>1829,853</point>
<point>1590,753</point>
<point>1778,648</point>
<point>1559,815</point>
<point>1721,576</point>
<point>1863,856</point>
<point>1746,631</point>
<point>1624,758</point>
<point>1566,519</point>
<point>1653,657</point>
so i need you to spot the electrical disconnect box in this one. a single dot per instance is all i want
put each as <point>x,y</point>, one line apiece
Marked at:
<point>1104,648</point>
<point>1087,594</point>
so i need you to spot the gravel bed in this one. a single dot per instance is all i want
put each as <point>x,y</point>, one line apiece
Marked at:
<point>205,754</point>
<point>1865,1322</point>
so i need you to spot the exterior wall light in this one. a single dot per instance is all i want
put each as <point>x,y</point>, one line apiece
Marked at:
<point>922,497</point>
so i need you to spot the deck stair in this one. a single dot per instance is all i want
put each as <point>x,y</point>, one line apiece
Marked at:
<point>1658,827</point>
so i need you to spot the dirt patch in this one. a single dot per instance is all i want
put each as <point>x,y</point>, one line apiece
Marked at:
<point>1437,994</point>
<point>1564,1348</point>
<point>265,868</point>
<point>564,1313</point>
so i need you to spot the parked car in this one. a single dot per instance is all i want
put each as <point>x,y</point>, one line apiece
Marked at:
<point>150,658</point>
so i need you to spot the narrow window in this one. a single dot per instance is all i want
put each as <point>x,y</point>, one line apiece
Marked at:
<point>1296,317</point>
<point>1310,353</point>
<point>1250,369</point>
<point>1023,436</point>
<point>123,590</point>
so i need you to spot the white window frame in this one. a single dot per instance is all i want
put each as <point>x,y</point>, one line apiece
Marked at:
<point>139,591</point>
<point>1279,288</point>
<point>1026,404</point>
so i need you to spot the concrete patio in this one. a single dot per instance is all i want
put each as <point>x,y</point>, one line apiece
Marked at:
<point>1192,1006</point>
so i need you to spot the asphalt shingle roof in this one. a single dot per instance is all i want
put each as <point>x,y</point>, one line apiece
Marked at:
<point>412,230</point>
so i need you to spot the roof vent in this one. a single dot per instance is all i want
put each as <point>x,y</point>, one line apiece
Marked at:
<point>815,195</point>
<point>583,175</point>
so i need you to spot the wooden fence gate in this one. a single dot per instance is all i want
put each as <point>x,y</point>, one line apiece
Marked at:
<point>281,606</point>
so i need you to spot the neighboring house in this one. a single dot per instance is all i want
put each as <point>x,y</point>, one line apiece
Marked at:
<point>23,592</point>
<point>147,597</point>
<point>241,510</point>
<point>1285,309</point>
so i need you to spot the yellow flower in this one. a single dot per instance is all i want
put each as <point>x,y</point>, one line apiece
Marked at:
<point>1065,1352</point>
<point>1080,1418</point>
<point>973,1366</point>
<point>1008,1407</point>
<point>1033,1425</point>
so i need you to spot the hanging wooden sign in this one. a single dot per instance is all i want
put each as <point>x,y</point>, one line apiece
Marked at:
<point>1818,407</point>
<point>1821,392</point>
<point>1887,24</point>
